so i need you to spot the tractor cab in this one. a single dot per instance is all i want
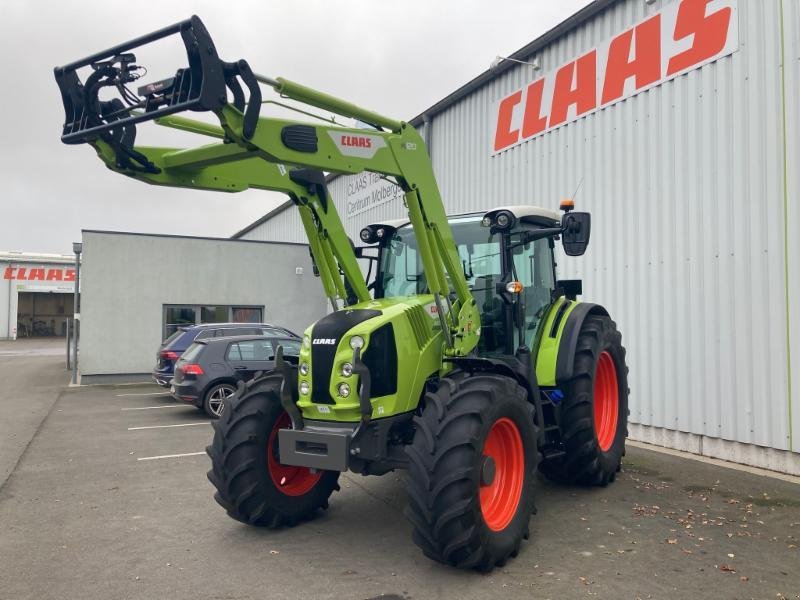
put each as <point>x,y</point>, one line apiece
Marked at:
<point>507,255</point>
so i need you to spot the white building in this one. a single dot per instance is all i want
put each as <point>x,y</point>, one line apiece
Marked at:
<point>36,294</point>
<point>681,127</point>
<point>136,289</point>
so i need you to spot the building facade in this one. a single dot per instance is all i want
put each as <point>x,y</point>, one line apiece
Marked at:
<point>137,289</point>
<point>36,294</point>
<point>675,123</point>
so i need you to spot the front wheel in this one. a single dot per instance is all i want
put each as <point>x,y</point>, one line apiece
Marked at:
<point>471,472</point>
<point>252,485</point>
<point>594,412</point>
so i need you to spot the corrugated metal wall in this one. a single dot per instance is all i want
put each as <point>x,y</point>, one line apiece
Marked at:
<point>286,226</point>
<point>689,197</point>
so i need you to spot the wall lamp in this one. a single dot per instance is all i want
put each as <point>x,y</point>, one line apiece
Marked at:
<point>535,65</point>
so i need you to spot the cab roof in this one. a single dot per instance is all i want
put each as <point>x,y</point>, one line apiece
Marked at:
<point>522,212</point>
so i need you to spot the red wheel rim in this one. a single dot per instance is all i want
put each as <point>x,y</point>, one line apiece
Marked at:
<point>606,401</point>
<point>499,500</point>
<point>292,481</point>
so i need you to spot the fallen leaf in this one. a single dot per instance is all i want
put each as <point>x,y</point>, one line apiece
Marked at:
<point>727,569</point>
<point>274,552</point>
<point>672,541</point>
<point>744,578</point>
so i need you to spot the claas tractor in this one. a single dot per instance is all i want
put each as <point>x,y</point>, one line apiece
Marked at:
<point>463,360</point>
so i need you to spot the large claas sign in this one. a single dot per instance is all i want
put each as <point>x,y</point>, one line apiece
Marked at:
<point>39,274</point>
<point>683,36</point>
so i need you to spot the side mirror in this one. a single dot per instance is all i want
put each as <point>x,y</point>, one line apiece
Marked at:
<point>575,232</point>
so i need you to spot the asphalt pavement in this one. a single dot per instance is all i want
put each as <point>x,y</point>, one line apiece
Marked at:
<point>107,498</point>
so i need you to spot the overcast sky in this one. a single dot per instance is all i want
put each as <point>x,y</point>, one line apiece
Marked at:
<point>396,58</point>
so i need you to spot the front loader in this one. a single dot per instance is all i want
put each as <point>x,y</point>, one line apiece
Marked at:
<point>465,361</point>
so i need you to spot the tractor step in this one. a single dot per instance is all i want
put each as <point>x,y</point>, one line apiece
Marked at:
<point>552,453</point>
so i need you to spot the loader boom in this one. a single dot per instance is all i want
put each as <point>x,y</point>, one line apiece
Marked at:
<point>270,153</point>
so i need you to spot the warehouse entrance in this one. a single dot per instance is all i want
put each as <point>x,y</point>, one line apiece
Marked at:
<point>43,314</point>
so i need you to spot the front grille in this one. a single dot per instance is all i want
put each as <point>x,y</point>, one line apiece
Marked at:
<point>332,327</point>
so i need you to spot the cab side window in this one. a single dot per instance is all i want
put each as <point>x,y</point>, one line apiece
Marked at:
<point>533,267</point>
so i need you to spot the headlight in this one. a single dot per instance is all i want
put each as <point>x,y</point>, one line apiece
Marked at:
<point>304,368</point>
<point>306,342</point>
<point>356,342</point>
<point>347,369</point>
<point>344,390</point>
<point>304,388</point>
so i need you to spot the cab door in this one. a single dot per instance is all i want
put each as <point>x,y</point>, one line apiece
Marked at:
<point>533,266</point>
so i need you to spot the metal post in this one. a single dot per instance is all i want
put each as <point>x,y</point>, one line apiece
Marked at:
<point>69,349</point>
<point>77,248</point>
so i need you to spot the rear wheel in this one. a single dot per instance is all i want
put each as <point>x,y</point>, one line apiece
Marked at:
<point>252,485</point>
<point>214,399</point>
<point>471,472</point>
<point>594,412</point>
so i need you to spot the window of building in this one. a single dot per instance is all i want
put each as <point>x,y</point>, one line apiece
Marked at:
<point>183,315</point>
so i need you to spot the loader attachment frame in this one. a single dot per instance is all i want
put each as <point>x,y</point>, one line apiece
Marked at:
<point>268,153</point>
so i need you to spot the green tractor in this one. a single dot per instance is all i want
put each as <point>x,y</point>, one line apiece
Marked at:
<point>464,360</point>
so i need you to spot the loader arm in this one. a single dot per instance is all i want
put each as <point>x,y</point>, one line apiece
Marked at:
<point>269,153</point>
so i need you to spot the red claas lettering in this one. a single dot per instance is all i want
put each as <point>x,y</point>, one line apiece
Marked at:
<point>631,59</point>
<point>504,136</point>
<point>576,83</point>
<point>645,68</point>
<point>38,274</point>
<point>358,142</point>
<point>709,33</point>
<point>534,122</point>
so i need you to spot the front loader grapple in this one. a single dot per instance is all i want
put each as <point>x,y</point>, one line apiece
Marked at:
<point>464,361</point>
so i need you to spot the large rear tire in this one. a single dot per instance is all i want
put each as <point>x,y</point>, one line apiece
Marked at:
<point>472,467</point>
<point>594,412</point>
<point>252,485</point>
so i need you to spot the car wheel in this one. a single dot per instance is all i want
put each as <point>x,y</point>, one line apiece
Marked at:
<point>213,403</point>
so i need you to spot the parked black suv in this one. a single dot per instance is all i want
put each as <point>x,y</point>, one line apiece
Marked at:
<point>209,370</point>
<point>176,344</point>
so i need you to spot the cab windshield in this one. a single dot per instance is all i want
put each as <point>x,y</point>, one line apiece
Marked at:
<point>482,258</point>
<point>402,274</point>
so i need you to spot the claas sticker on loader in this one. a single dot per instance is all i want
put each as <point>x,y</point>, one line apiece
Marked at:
<point>357,144</point>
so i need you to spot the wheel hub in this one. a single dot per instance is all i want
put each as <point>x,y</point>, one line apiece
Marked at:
<point>488,470</point>
<point>502,474</point>
<point>606,401</point>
